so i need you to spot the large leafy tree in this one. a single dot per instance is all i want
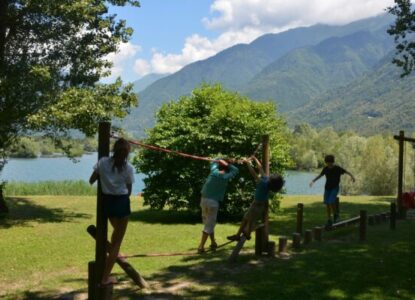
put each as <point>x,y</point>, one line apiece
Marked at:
<point>52,55</point>
<point>211,122</point>
<point>403,30</point>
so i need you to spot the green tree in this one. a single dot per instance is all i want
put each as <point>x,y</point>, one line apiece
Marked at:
<point>211,122</point>
<point>403,30</point>
<point>25,147</point>
<point>52,54</point>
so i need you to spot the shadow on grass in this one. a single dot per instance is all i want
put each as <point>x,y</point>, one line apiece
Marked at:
<point>165,217</point>
<point>23,211</point>
<point>378,269</point>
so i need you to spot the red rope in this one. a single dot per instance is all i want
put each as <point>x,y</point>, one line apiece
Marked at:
<point>156,148</point>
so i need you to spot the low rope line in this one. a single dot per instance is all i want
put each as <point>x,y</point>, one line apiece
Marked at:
<point>195,157</point>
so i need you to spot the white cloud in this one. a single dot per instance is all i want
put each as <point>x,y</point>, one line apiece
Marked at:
<point>125,52</point>
<point>241,21</point>
<point>142,67</point>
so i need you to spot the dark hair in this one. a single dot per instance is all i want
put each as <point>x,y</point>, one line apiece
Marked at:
<point>329,158</point>
<point>276,182</point>
<point>120,153</point>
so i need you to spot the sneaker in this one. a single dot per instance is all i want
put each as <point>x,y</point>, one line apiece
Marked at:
<point>233,237</point>
<point>329,224</point>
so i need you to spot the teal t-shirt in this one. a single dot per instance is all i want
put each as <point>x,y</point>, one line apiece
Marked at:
<point>262,189</point>
<point>216,183</point>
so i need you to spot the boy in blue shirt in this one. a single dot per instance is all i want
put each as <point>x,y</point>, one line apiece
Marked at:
<point>259,206</point>
<point>213,192</point>
<point>331,189</point>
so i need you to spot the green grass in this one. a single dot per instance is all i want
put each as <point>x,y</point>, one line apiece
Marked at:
<point>65,187</point>
<point>45,250</point>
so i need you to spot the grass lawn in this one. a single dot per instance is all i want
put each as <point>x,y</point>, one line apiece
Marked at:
<point>44,251</point>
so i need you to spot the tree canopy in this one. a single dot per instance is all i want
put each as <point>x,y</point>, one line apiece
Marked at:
<point>52,55</point>
<point>403,30</point>
<point>210,122</point>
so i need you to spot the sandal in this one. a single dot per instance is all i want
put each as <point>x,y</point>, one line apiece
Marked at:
<point>109,281</point>
<point>213,246</point>
<point>200,250</point>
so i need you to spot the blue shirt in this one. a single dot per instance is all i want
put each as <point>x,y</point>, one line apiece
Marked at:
<point>216,183</point>
<point>262,189</point>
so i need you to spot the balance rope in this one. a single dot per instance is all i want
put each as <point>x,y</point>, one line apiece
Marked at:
<point>182,154</point>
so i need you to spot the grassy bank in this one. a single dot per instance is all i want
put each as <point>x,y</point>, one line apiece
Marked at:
<point>66,187</point>
<point>45,250</point>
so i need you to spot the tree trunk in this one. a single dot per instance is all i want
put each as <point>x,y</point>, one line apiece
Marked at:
<point>3,205</point>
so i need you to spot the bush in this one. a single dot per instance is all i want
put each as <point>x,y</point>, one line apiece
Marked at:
<point>210,122</point>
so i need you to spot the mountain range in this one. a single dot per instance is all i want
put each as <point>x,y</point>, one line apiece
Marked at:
<point>317,74</point>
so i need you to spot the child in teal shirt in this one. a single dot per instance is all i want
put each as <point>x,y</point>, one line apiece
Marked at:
<point>213,192</point>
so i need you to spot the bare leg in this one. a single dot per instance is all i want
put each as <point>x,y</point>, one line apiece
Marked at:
<point>212,238</point>
<point>120,226</point>
<point>203,241</point>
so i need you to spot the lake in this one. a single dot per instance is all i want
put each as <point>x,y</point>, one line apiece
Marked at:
<point>62,168</point>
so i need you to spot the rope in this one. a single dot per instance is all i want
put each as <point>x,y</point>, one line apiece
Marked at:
<point>182,154</point>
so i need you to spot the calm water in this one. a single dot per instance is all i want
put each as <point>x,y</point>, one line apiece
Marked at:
<point>62,168</point>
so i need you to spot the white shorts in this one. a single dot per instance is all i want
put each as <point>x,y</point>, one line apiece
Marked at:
<point>209,214</point>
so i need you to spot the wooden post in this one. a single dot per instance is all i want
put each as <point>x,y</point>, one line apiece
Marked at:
<point>282,244</point>
<point>317,233</point>
<point>3,206</point>
<point>102,224</point>
<point>300,216</point>
<point>271,248</point>
<point>296,240</point>
<point>393,216</point>
<point>261,243</point>
<point>401,209</point>
<point>377,219</point>
<point>363,225</point>
<point>258,240</point>
<point>308,236</point>
<point>383,217</point>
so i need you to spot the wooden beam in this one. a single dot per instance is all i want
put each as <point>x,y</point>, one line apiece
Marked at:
<point>401,140</point>
<point>128,269</point>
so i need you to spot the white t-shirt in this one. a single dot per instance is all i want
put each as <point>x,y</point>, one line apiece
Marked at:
<point>112,181</point>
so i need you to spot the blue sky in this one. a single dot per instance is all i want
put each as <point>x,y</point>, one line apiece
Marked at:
<point>169,34</point>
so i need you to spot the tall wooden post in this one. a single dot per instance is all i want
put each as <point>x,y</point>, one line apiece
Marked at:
<point>261,242</point>
<point>401,209</point>
<point>98,266</point>
<point>362,225</point>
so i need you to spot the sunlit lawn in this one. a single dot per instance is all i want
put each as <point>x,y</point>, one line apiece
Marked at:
<point>44,251</point>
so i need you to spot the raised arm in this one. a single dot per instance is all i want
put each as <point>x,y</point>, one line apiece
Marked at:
<point>315,179</point>
<point>351,175</point>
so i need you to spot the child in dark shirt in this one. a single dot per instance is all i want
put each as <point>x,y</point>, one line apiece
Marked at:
<point>331,189</point>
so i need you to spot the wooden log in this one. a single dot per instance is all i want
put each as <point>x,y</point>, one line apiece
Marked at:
<point>237,249</point>
<point>393,216</point>
<point>345,223</point>
<point>363,225</point>
<point>308,237</point>
<point>371,220</point>
<point>282,244</point>
<point>271,248</point>
<point>317,233</point>
<point>128,269</point>
<point>300,217</point>
<point>296,240</point>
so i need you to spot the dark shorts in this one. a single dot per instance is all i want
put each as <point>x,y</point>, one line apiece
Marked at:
<point>116,206</point>
<point>330,195</point>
